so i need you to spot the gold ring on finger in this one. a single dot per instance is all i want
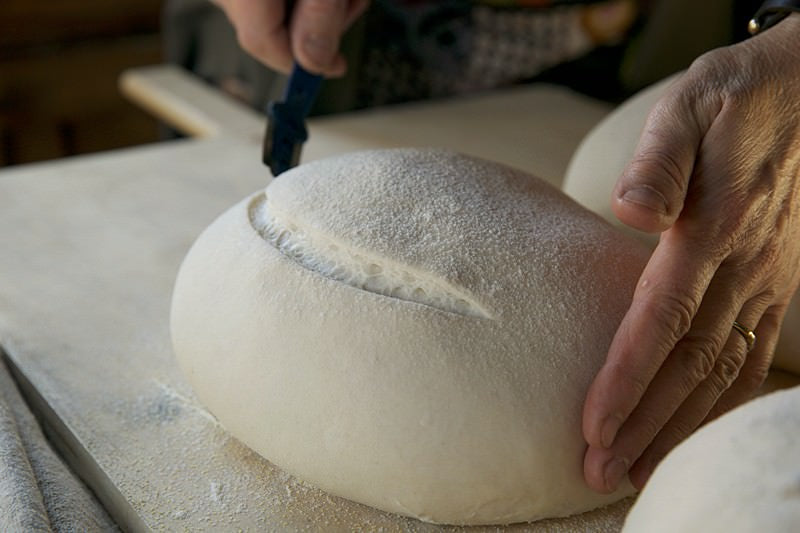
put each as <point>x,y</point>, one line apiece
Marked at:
<point>748,334</point>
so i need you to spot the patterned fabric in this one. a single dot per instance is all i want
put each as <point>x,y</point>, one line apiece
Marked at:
<point>421,49</point>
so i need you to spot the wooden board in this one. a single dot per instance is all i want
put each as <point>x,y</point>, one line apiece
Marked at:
<point>535,128</point>
<point>89,248</point>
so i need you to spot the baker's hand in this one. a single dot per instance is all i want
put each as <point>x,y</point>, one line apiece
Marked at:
<point>717,170</point>
<point>310,34</point>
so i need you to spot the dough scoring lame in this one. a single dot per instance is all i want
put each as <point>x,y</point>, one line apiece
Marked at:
<point>411,329</point>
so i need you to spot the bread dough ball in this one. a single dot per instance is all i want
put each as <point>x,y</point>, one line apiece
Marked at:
<point>415,330</point>
<point>599,161</point>
<point>605,151</point>
<point>740,473</point>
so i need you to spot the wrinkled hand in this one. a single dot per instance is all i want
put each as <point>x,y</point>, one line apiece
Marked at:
<point>717,170</point>
<point>310,34</point>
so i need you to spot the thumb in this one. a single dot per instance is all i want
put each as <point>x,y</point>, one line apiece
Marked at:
<point>650,194</point>
<point>316,28</point>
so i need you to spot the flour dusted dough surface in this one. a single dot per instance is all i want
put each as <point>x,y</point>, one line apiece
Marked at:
<point>738,474</point>
<point>411,329</point>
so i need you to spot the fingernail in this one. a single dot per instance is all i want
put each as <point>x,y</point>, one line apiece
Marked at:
<point>647,197</point>
<point>613,472</point>
<point>608,432</point>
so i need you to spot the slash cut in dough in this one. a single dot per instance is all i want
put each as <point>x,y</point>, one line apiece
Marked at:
<point>414,330</point>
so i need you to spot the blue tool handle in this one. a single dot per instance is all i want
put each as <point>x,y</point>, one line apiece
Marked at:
<point>301,91</point>
<point>286,130</point>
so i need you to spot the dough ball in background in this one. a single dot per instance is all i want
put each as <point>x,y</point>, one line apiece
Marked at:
<point>605,151</point>
<point>600,160</point>
<point>738,474</point>
<point>414,330</point>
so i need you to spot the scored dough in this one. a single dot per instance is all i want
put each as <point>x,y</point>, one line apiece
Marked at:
<point>410,329</point>
<point>739,473</point>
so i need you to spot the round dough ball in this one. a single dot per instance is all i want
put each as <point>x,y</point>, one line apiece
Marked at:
<point>600,160</point>
<point>739,473</point>
<point>605,151</point>
<point>415,330</point>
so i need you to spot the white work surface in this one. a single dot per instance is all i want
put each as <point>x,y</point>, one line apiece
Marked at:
<point>89,249</point>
